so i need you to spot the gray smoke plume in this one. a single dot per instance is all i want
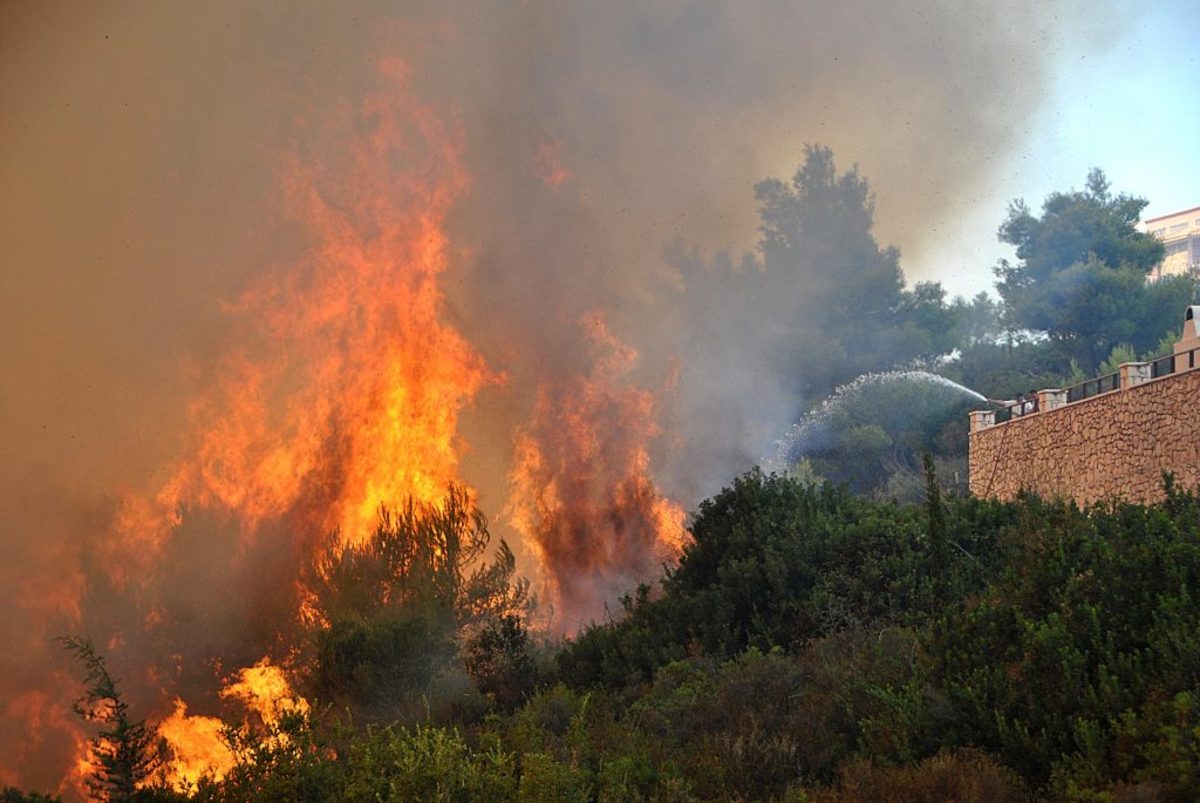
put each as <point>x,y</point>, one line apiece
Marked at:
<point>140,152</point>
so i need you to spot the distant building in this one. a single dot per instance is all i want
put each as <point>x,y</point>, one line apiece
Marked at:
<point>1180,233</point>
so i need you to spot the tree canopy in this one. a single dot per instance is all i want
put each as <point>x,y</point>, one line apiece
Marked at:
<point>402,608</point>
<point>837,296</point>
<point>1081,274</point>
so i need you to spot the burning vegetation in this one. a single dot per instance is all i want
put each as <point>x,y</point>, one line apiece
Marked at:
<point>582,493</point>
<point>466,307</point>
<point>319,491</point>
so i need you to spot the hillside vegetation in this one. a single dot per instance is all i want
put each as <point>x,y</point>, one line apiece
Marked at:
<point>809,645</point>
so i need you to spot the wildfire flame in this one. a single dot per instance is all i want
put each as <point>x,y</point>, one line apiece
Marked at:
<point>581,489</point>
<point>343,391</point>
<point>265,691</point>
<point>349,394</point>
<point>196,748</point>
<point>196,744</point>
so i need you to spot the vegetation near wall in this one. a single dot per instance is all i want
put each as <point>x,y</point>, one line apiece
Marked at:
<point>813,645</point>
<point>829,304</point>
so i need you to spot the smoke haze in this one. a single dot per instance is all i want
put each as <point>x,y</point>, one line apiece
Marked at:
<point>151,161</point>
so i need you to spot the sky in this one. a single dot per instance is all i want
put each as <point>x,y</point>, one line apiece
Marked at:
<point>1131,107</point>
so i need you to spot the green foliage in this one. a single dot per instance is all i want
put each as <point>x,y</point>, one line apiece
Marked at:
<point>838,297</point>
<point>978,320</point>
<point>426,763</point>
<point>1054,633</point>
<point>734,729</point>
<point>878,426</point>
<point>1081,278</point>
<point>276,761</point>
<point>964,776</point>
<point>1159,745</point>
<point>389,663</point>
<point>1077,292</point>
<point>855,454</point>
<point>814,645</point>
<point>1079,225</point>
<point>125,754</point>
<point>1121,353</point>
<point>1016,364</point>
<point>293,762</point>
<point>399,606</point>
<point>1093,616</point>
<point>498,660</point>
<point>819,302</point>
<point>424,557</point>
<point>939,539</point>
<point>774,562</point>
<point>760,724</point>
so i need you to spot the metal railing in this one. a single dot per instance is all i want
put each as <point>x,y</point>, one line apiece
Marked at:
<point>1138,373</point>
<point>1093,387</point>
<point>1163,366</point>
<point>1184,361</point>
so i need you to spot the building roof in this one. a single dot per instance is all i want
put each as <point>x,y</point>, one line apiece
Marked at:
<point>1173,214</point>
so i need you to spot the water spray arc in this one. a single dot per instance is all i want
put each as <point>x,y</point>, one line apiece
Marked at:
<point>814,432</point>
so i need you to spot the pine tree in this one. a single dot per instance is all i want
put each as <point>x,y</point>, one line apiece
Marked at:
<point>125,754</point>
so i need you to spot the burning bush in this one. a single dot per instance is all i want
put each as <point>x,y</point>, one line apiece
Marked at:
<point>394,609</point>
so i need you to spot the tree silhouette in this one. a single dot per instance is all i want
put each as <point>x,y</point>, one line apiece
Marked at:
<point>125,754</point>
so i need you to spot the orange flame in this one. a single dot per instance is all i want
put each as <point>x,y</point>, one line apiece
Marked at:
<point>197,747</point>
<point>45,720</point>
<point>349,392</point>
<point>344,393</point>
<point>265,691</point>
<point>581,489</point>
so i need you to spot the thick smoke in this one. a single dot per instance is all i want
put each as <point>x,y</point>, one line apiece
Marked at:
<point>141,150</point>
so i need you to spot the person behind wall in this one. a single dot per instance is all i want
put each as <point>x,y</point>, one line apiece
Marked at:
<point>1012,406</point>
<point>1031,402</point>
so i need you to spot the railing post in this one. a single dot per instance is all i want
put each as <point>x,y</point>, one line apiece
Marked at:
<point>982,419</point>
<point>1051,399</point>
<point>1134,373</point>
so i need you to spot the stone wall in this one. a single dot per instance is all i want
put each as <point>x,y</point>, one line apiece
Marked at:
<point>1115,445</point>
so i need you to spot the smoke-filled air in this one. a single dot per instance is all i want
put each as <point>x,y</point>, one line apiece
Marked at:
<point>298,294</point>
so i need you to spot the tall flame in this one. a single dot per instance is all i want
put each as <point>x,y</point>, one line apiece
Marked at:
<point>581,488</point>
<point>196,748</point>
<point>345,389</point>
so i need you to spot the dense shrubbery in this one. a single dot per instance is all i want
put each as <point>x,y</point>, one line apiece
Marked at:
<point>1086,647</point>
<point>775,562</point>
<point>415,613</point>
<point>812,645</point>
